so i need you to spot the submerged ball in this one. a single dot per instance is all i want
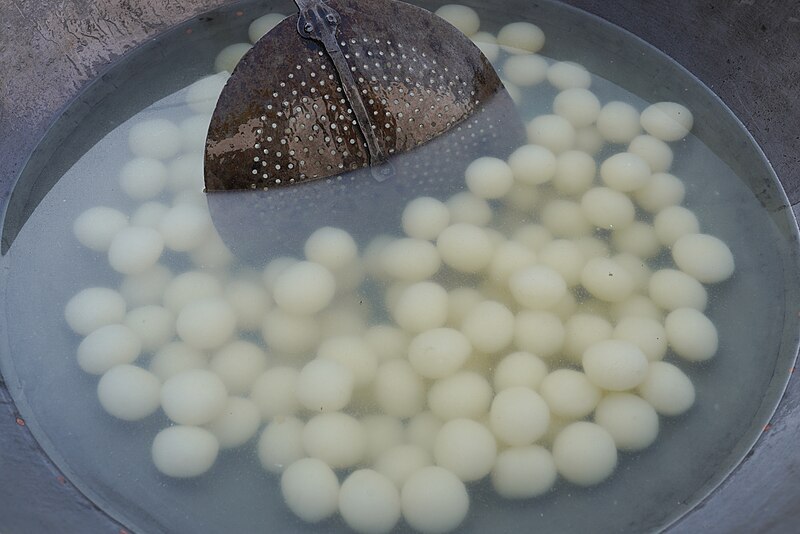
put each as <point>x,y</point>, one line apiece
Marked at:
<point>184,451</point>
<point>129,392</point>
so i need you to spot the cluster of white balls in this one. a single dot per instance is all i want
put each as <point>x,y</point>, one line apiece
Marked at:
<point>561,349</point>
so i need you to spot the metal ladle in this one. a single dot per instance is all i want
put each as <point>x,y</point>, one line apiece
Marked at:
<point>346,85</point>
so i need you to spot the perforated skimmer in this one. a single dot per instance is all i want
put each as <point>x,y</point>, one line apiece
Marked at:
<point>342,85</point>
<point>361,106</point>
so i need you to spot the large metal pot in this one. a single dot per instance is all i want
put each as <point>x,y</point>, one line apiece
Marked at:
<point>744,51</point>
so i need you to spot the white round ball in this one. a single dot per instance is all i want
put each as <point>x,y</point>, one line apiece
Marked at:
<point>552,132</point>
<point>175,358</point>
<point>422,430</point>
<point>564,257</point>
<point>135,249</point>
<point>704,257</point>
<point>193,397</point>
<point>487,43</point>
<point>369,502</point>
<point>107,347</point>
<point>381,433</point>
<point>331,247</point>
<point>239,364</point>
<point>421,306</point>
<point>229,57</point>
<point>538,287</point>
<point>524,472</point>
<point>92,308</point>
<point>538,332</point>
<point>615,365</point>
<point>155,138</point>
<point>189,287</point>
<point>646,333</point>
<point>671,289</point>
<point>212,255</point>
<point>439,352</point>
<point>275,392</point>
<point>154,325</point>
<point>584,330</point>
<point>521,37</point>
<point>465,247</point>
<point>236,424</point>
<point>310,489</point>
<point>667,389</point>
<point>691,335</point>
<point>335,438</point>
<point>464,18</point>
<point>519,416</point>
<point>667,121</point>
<point>522,198</point>
<point>565,218</point>
<point>464,394</point>
<point>575,172</point>
<point>525,70</point>
<point>569,394</point>
<point>508,258</point>
<point>579,106</point>
<point>262,25</point>
<point>202,95</point>
<point>305,288</point>
<point>519,369</point>
<point>589,140</point>
<point>402,461</point>
<point>143,178</point>
<point>607,280</point>
<point>96,227</point>
<point>625,172</point>
<point>434,500</point>
<point>410,260</point>
<point>592,247</point>
<point>128,392</point>
<point>636,306</point>
<point>281,444</point>
<point>565,75</point>
<point>584,453</point>
<point>290,334</point>
<point>460,301</point>
<point>149,215</point>
<point>631,421</point>
<point>489,326</point>
<point>656,153</point>
<point>147,287</point>
<point>489,178</point>
<point>387,342</point>
<point>618,122</point>
<point>206,324</point>
<point>249,301</point>
<point>674,222</point>
<point>662,191</point>
<point>324,385</point>
<point>185,227</point>
<point>184,451</point>
<point>398,390</point>
<point>466,208</point>
<point>636,267</point>
<point>638,238</point>
<point>532,164</point>
<point>466,448</point>
<point>425,218</point>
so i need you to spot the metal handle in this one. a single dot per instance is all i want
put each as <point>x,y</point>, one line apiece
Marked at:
<point>319,21</point>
